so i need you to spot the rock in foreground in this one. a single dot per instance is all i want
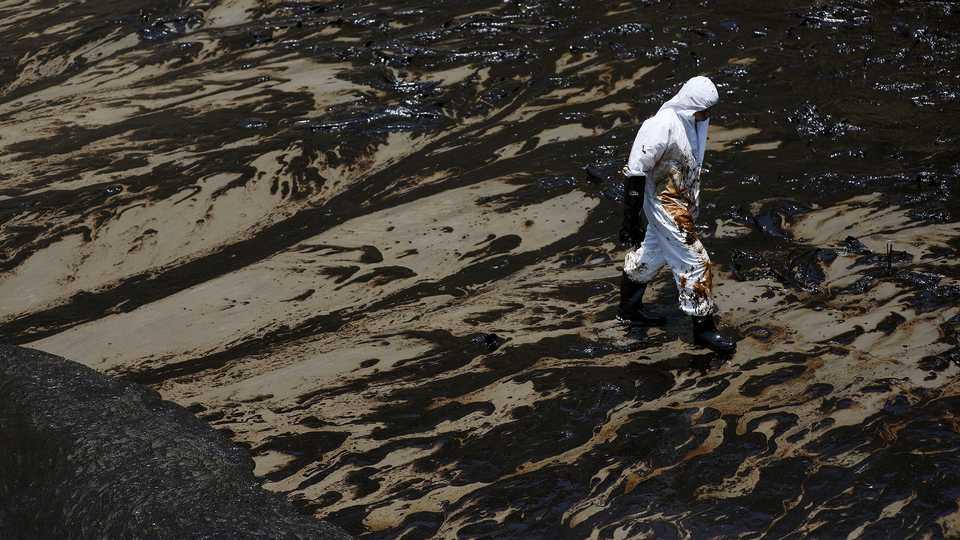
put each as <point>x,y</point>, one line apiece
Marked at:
<point>85,456</point>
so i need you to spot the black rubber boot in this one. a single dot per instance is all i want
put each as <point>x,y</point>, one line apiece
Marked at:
<point>631,304</point>
<point>705,333</point>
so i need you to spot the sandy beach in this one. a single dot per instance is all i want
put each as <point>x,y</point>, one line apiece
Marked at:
<point>359,239</point>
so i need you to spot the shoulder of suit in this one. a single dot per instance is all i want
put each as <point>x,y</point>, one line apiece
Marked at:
<point>665,119</point>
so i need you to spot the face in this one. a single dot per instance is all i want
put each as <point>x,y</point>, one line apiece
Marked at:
<point>700,116</point>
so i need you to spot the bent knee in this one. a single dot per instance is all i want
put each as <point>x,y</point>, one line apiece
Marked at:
<point>638,269</point>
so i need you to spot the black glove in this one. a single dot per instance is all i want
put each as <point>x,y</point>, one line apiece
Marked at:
<point>633,229</point>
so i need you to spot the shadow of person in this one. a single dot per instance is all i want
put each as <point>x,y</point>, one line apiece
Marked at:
<point>700,362</point>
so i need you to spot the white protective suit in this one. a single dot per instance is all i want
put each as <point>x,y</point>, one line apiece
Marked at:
<point>669,151</point>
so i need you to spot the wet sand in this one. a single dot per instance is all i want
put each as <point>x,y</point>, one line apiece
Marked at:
<point>360,240</point>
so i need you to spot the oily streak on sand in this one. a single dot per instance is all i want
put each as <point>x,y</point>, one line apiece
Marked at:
<point>359,239</point>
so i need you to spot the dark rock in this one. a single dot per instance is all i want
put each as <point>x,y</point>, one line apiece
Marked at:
<point>86,456</point>
<point>490,342</point>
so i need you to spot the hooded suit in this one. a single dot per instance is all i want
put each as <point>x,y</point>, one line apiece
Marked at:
<point>668,151</point>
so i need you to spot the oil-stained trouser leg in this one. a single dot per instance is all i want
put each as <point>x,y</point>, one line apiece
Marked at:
<point>682,251</point>
<point>692,271</point>
<point>642,264</point>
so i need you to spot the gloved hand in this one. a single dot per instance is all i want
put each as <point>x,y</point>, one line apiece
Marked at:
<point>632,231</point>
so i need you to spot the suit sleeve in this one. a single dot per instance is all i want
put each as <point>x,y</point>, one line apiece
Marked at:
<point>648,148</point>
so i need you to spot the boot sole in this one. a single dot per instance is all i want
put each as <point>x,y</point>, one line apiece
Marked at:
<point>715,349</point>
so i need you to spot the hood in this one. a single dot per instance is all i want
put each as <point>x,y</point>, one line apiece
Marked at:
<point>697,94</point>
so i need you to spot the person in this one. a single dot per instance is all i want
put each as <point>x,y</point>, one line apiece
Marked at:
<point>663,177</point>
